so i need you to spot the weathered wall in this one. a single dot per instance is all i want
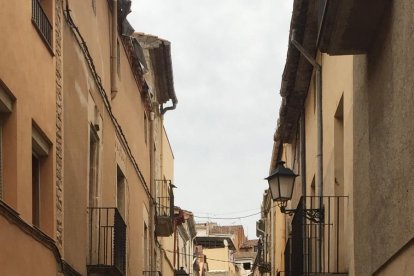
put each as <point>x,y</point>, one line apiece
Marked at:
<point>216,258</point>
<point>32,84</point>
<point>21,254</point>
<point>383,178</point>
<point>337,110</point>
<point>400,264</point>
<point>84,105</point>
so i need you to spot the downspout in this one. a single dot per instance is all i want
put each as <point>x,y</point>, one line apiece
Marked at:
<point>318,69</point>
<point>174,106</point>
<point>303,152</point>
<point>319,156</point>
<point>152,192</point>
<point>114,54</point>
<point>175,242</point>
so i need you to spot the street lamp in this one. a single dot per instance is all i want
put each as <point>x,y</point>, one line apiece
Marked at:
<point>181,272</point>
<point>281,183</point>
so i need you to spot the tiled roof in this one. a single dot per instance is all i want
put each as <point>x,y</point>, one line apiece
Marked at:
<point>244,255</point>
<point>226,229</point>
<point>249,243</point>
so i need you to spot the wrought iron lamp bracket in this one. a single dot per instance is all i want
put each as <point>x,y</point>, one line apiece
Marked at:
<point>314,215</point>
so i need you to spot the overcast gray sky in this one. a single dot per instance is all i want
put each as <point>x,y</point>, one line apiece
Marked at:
<point>228,58</point>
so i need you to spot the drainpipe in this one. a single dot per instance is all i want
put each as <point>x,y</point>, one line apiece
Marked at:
<point>319,156</point>
<point>303,152</point>
<point>152,200</point>
<point>114,54</point>
<point>174,106</point>
<point>318,69</point>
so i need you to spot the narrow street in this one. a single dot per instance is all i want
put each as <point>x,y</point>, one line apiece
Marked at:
<point>206,138</point>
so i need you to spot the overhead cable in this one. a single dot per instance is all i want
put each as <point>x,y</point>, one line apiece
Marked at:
<point>242,217</point>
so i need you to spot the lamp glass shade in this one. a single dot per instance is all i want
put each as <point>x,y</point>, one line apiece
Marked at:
<point>281,183</point>
<point>181,272</point>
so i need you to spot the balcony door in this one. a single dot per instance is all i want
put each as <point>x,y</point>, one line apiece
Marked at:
<point>93,197</point>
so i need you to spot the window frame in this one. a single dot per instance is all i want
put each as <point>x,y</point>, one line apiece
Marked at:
<point>40,151</point>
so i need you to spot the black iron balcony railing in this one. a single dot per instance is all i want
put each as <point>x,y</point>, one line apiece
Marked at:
<point>165,198</point>
<point>107,241</point>
<point>261,262</point>
<point>152,273</point>
<point>164,208</point>
<point>317,247</point>
<point>42,23</point>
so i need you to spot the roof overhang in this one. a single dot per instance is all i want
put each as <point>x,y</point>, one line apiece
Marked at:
<point>296,75</point>
<point>348,26</point>
<point>214,242</point>
<point>160,57</point>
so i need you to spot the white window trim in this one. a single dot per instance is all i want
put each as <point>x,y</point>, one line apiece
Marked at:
<point>6,102</point>
<point>6,106</point>
<point>39,143</point>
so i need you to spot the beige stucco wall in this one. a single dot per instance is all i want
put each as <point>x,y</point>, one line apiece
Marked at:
<point>80,92</point>
<point>21,254</point>
<point>218,258</point>
<point>337,86</point>
<point>337,101</point>
<point>27,69</point>
<point>32,84</point>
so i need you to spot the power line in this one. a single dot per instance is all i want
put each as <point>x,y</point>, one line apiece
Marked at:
<point>227,213</point>
<point>230,218</point>
<point>210,259</point>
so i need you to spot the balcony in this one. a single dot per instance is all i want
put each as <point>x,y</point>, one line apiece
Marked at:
<point>164,209</point>
<point>317,248</point>
<point>152,273</point>
<point>42,23</point>
<point>107,242</point>
<point>261,262</point>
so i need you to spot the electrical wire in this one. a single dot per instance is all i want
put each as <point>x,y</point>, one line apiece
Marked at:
<point>210,259</point>
<point>230,218</point>
<point>98,81</point>
<point>227,213</point>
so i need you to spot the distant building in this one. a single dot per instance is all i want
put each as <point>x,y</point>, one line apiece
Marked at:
<point>245,257</point>
<point>220,245</point>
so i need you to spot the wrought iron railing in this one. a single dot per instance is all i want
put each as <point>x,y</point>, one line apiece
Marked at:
<point>165,199</point>
<point>261,261</point>
<point>107,239</point>
<point>165,206</point>
<point>317,247</point>
<point>151,273</point>
<point>40,20</point>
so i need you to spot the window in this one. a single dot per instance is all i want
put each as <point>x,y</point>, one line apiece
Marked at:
<point>146,246</point>
<point>40,152</point>
<point>35,190</point>
<point>42,13</point>
<point>246,266</point>
<point>6,105</point>
<point>120,192</point>
<point>93,167</point>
